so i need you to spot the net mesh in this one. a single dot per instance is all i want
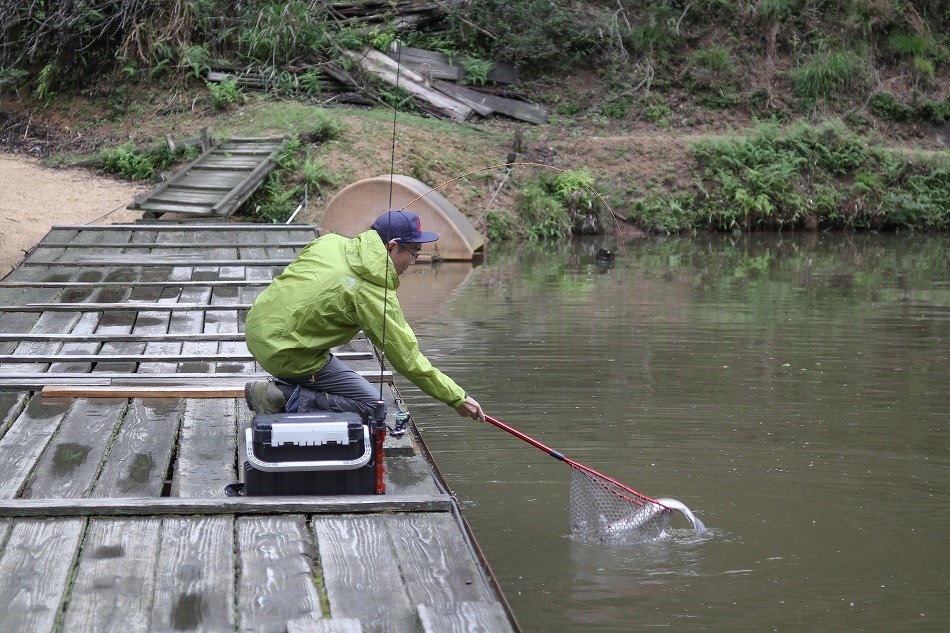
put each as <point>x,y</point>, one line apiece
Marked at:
<point>602,511</point>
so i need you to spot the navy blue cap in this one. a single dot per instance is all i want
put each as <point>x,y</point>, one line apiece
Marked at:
<point>404,227</point>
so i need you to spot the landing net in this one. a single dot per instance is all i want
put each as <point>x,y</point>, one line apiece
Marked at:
<point>602,511</point>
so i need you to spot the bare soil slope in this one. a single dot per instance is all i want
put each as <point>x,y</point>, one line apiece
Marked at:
<point>34,198</point>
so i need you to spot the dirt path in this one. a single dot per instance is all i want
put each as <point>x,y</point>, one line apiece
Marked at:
<point>33,198</point>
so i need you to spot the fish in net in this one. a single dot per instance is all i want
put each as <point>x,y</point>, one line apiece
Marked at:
<point>605,512</point>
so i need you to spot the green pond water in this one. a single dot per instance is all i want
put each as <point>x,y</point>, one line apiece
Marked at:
<point>793,391</point>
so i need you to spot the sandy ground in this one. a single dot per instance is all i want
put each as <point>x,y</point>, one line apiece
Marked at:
<point>34,198</point>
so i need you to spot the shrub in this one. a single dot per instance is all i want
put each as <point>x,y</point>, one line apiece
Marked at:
<point>886,106</point>
<point>125,161</point>
<point>829,73</point>
<point>548,34</point>
<point>224,93</point>
<point>502,225</point>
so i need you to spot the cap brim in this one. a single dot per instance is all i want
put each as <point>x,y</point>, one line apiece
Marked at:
<point>426,237</point>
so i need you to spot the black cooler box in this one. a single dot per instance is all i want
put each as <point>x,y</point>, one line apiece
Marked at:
<point>320,453</point>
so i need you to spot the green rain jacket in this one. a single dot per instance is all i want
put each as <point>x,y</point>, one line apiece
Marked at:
<point>334,289</point>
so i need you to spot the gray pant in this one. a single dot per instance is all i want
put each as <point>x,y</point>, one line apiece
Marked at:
<point>336,387</point>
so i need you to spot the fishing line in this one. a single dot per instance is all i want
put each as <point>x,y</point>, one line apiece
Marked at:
<point>389,207</point>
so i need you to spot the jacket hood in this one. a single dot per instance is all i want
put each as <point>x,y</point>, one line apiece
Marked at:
<point>367,256</point>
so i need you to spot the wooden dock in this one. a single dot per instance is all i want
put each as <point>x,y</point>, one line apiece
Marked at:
<point>216,183</point>
<point>121,400</point>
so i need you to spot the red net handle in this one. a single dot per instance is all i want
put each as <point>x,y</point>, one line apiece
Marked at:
<point>570,462</point>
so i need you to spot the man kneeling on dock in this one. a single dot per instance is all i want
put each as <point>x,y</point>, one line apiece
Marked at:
<point>335,288</point>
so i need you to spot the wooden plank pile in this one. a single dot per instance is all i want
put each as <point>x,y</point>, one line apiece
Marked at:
<point>432,78</point>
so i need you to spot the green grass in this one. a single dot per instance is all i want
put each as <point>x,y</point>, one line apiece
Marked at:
<point>804,177</point>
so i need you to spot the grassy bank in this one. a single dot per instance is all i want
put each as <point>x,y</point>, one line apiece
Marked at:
<point>666,116</point>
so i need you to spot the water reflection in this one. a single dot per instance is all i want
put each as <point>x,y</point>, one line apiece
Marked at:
<point>790,390</point>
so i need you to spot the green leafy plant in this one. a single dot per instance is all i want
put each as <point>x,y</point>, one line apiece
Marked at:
<point>829,73</point>
<point>381,39</point>
<point>129,163</point>
<point>315,174</point>
<point>225,93</point>
<point>502,225</point>
<point>310,82</point>
<point>280,32</point>
<point>476,70</point>
<point>43,90</point>
<point>196,60</point>
<point>715,59</point>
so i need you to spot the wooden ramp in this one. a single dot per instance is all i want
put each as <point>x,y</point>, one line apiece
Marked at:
<point>113,512</point>
<point>216,183</point>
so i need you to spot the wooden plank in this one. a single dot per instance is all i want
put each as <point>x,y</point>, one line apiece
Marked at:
<point>28,357</point>
<point>35,568</point>
<point>129,260</point>
<point>514,108</point>
<point>25,351</point>
<point>135,284</point>
<point>139,457</point>
<point>86,325</point>
<point>463,617</point>
<point>167,207</point>
<point>225,168</point>
<point>228,161</point>
<point>174,506</point>
<point>336,625</point>
<point>246,226</point>
<point>13,359</point>
<point>437,565</point>
<point>11,405</point>
<point>124,384</point>
<point>175,176</point>
<point>463,95</point>
<point>156,322</point>
<point>410,475</point>
<point>208,435</point>
<point>73,337</point>
<point>70,466</point>
<point>361,573</point>
<point>208,180</point>
<point>134,306</point>
<point>116,575</point>
<point>228,321</point>
<point>190,197</point>
<point>194,588</point>
<point>385,68</point>
<point>196,322</point>
<point>501,72</point>
<point>258,150</point>
<point>275,575</point>
<point>236,197</point>
<point>191,185</point>
<point>135,245</point>
<point>74,391</point>
<point>26,440</point>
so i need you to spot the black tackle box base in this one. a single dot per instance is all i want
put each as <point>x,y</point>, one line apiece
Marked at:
<point>302,454</point>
